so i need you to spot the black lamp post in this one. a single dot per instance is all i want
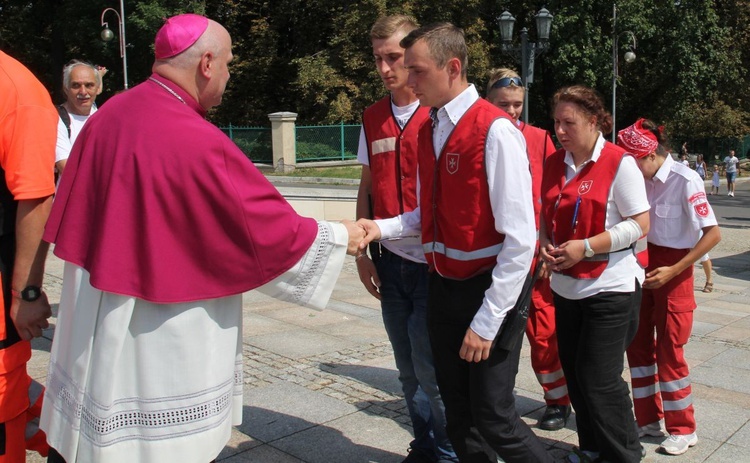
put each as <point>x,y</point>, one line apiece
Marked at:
<point>629,58</point>
<point>527,51</point>
<point>108,35</point>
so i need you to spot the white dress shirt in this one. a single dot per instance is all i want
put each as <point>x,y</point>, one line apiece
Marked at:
<point>509,180</point>
<point>627,198</point>
<point>679,207</point>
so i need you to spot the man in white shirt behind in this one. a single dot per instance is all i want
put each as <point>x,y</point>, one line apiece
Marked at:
<point>82,82</point>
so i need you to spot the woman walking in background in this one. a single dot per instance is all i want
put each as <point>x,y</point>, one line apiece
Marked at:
<point>700,167</point>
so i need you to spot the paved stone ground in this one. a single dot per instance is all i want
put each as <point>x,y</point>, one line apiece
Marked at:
<point>321,386</point>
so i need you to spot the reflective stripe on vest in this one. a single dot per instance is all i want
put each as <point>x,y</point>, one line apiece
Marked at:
<point>457,254</point>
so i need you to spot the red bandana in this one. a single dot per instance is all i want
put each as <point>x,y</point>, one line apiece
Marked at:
<point>637,140</point>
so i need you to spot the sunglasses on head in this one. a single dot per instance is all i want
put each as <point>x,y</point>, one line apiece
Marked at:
<point>507,82</point>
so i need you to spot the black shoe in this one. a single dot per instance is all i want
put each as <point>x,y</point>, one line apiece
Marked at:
<point>555,417</point>
<point>415,456</point>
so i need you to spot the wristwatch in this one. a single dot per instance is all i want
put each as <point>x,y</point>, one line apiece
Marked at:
<point>28,294</point>
<point>588,252</point>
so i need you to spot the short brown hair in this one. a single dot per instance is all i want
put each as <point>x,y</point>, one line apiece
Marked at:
<point>589,101</point>
<point>445,42</point>
<point>386,26</point>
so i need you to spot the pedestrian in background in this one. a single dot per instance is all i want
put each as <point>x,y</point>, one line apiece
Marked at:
<point>731,164</point>
<point>715,180</point>
<point>700,167</point>
<point>683,228</point>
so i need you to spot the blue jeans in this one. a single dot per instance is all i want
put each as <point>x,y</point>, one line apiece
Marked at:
<point>404,306</point>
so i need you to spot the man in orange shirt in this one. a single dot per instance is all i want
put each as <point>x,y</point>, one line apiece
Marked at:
<point>28,123</point>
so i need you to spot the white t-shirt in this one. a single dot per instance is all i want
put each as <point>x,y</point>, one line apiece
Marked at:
<point>731,164</point>
<point>65,143</point>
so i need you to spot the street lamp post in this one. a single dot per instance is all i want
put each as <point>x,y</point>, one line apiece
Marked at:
<point>527,51</point>
<point>108,35</point>
<point>629,58</point>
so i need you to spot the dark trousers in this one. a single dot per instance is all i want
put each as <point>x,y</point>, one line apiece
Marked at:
<point>479,404</point>
<point>592,335</point>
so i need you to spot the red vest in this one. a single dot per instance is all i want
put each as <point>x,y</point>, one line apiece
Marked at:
<point>539,147</point>
<point>588,192</point>
<point>458,226</point>
<point>392,154</point>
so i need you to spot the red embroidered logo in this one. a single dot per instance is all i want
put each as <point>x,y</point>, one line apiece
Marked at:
<point>702,209</point>
<point>585,187</point>
<point>697,197</point>
<point>451,162</point>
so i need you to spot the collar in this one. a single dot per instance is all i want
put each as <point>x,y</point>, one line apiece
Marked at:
<point>663,173</point>
<point>598,147</point>
<point>189,100</point>
<point>457,107</point>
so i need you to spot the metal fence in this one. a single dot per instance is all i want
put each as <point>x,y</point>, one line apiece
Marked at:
<point>326,142</point>
<point>313,143</point>
<point>714,150</point>
<point>255,142</point>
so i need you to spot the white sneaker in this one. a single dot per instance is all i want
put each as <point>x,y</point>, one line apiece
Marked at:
<point>731,194</point>
<point>651,429</point>
<point>678,444</point>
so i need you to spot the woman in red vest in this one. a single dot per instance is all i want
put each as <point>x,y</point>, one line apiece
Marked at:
<point>505,90</point>
<point>594,211</point>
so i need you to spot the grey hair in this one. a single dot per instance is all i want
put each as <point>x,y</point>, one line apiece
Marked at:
<point>68,68</point>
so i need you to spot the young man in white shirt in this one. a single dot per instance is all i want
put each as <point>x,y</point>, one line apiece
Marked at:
<point>476,218</point>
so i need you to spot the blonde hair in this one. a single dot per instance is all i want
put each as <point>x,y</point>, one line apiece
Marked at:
<point>386,26</point>
<point>501,73</point>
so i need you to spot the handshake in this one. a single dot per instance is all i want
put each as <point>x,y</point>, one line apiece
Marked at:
<point>361,233</point>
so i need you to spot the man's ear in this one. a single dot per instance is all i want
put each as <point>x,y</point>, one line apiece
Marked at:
<point>206,64</point>
<point>454,68</point>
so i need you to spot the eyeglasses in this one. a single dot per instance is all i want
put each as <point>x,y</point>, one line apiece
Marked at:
<point>507,82</point>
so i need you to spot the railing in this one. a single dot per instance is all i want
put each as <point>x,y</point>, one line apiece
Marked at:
<point>313,143</point>
<point>326,142</point>
<point>255,142</point>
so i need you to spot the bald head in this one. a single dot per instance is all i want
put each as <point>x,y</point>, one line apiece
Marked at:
<point>201,70</point>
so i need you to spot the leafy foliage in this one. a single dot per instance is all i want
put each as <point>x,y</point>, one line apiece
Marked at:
<point>313,57</point>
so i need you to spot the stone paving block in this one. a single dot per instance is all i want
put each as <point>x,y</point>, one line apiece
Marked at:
<point>299,343</point>
<point>703,329</point>
<point>255,324</point>
<point>732,307</point>
<point>731,333</point>
<point>721,376</point>
<point>733,357</point>
<point>357,330</point>
<point>728,453</point>
<point>700,350</point>
<point>355,438</point>
<point>277,411</point>
<point>379,373</point>
<point>238,443</point>
<point>742,438</point>
<point>716,316</point>
<point>262,454</point>
<point>305,317</point>
<point>355,310</point>
<point>718,420</point>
